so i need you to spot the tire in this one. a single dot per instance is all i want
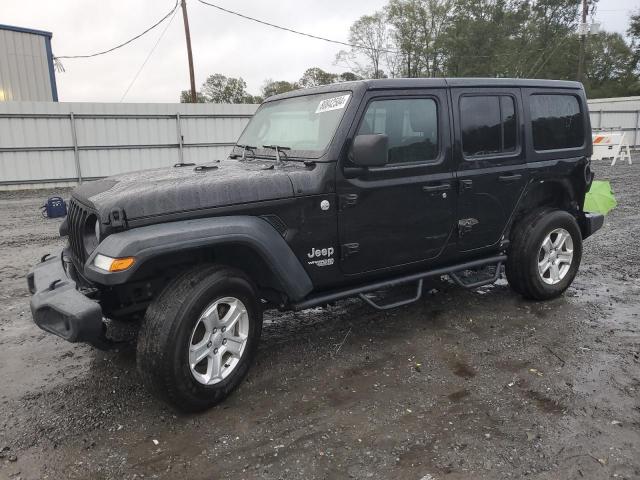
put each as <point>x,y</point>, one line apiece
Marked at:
<point>542,272</point>
<point>175,331</point>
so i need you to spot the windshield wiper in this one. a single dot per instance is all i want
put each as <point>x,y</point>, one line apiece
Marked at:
<point>278,150</point>
<point>244,151</point>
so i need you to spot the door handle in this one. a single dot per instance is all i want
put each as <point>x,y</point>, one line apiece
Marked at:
<point>436,188</point>
<point>466,184</point>
<point>510,178</point>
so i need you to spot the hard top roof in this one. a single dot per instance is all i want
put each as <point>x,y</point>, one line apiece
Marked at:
<point>410,83</point>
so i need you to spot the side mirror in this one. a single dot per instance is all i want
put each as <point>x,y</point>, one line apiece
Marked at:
<point>370,150</point>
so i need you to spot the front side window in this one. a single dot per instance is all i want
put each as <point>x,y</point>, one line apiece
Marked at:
<point>489,125</point>
<point>305,125</point>
<point>410,124</point>
<point>557,122</point>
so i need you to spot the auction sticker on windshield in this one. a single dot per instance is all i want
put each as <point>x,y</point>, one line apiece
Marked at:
<point>333,103</point>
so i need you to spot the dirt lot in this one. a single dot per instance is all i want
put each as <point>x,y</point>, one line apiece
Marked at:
<point>462,385</point>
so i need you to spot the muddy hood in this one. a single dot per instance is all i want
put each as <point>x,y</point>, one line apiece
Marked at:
<point>159,192</point>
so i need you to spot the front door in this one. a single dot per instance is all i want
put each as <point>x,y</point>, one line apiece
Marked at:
<point>491,167</point>
<point>404,212</point>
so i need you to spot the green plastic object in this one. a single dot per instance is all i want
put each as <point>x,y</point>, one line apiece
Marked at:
<point>600,198</point>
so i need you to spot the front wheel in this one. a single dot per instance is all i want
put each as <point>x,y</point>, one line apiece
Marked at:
<point>545,254</point>
<point>199,337</point>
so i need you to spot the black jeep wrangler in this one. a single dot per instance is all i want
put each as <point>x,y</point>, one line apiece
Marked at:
<point>330,192</point>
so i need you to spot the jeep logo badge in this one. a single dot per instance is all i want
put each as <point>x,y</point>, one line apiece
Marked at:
<point>321,257</point>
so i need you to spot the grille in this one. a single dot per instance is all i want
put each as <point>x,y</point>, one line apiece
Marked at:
<point>76,218</point>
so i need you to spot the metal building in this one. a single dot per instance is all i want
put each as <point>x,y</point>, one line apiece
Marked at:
<point>26,65</point>
<point>621,113</point>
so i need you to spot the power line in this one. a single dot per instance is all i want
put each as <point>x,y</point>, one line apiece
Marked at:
<point>537,67</point>
<point>297,32</point>
<point>360,47</point>
<point>148,56</point>
<point>128,41</point>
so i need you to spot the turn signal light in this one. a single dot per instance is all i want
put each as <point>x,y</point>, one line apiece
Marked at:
<point>109,264</point>
<point>120,264</point>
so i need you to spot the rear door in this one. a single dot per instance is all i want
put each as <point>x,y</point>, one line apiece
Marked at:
<point>491,166</point>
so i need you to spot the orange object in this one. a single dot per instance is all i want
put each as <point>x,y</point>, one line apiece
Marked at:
<point>120,264</point>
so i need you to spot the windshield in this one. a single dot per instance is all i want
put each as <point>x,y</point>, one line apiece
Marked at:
<point>305,125</point>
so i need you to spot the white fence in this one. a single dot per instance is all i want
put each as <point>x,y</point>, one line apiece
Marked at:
<point>46,144</point>
<point>619,114</point>
<point>619,120</point>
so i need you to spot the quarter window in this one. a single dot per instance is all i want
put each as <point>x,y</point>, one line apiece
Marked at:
<point>557,122</point>
<point>410,124</point>
<point>489,125</point>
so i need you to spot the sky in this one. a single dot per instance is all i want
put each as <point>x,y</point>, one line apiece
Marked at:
<point>222,43</point>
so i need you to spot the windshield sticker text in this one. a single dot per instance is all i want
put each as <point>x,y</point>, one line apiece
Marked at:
<point>333,103</point>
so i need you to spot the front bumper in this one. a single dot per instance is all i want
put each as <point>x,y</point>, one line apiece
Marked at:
<point>59,308</point>
<point>591,223</point>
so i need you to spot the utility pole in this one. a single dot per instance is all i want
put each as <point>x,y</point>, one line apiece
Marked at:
<point>583,40</point>
<point>190,55</point>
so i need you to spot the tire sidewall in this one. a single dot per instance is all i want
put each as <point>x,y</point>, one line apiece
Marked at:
<point>548,223</point>
<point>204,293</point>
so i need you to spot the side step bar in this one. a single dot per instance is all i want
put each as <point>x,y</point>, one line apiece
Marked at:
<point>456,278</point>
<point>324,298</point>
<point>400,303</point>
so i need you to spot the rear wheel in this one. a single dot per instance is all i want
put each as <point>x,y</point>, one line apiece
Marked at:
<point>199,337</point>
<point>545,254</point>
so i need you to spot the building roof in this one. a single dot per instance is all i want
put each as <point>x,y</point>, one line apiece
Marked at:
<point>614,99</point>
<point>25,30</point>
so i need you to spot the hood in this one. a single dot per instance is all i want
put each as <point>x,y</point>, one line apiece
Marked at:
<point>164,191</point>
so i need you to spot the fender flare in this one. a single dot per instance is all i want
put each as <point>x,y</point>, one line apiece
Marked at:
<point>531,186</point>
<point>145,243</point>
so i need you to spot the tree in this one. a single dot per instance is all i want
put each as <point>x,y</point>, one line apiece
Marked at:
<point>370,37</point>
<point>610,67</point>
<point>220,89</point>
<point>348,77</point>
<point>634,34</point>
<point>274,87</point>
<point>185,97</point>
<point>404,18</point>
<point>634,26</point>
<point>499,38</point>
<point>314,77</point>
<point>419,30</point>
<point>495,38</point>
<point>435,19</point>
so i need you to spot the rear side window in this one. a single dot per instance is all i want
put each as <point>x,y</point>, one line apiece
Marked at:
<point>557,122</point>
<point>410,124</point>
<point>489,125</point>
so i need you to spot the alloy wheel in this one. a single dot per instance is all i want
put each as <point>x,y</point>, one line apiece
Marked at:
<point>218,340</point>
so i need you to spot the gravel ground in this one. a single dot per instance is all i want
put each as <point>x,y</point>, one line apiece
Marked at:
<point>462,385</point>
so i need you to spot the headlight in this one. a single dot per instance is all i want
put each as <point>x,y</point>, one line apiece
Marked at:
<point>109,264</point>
